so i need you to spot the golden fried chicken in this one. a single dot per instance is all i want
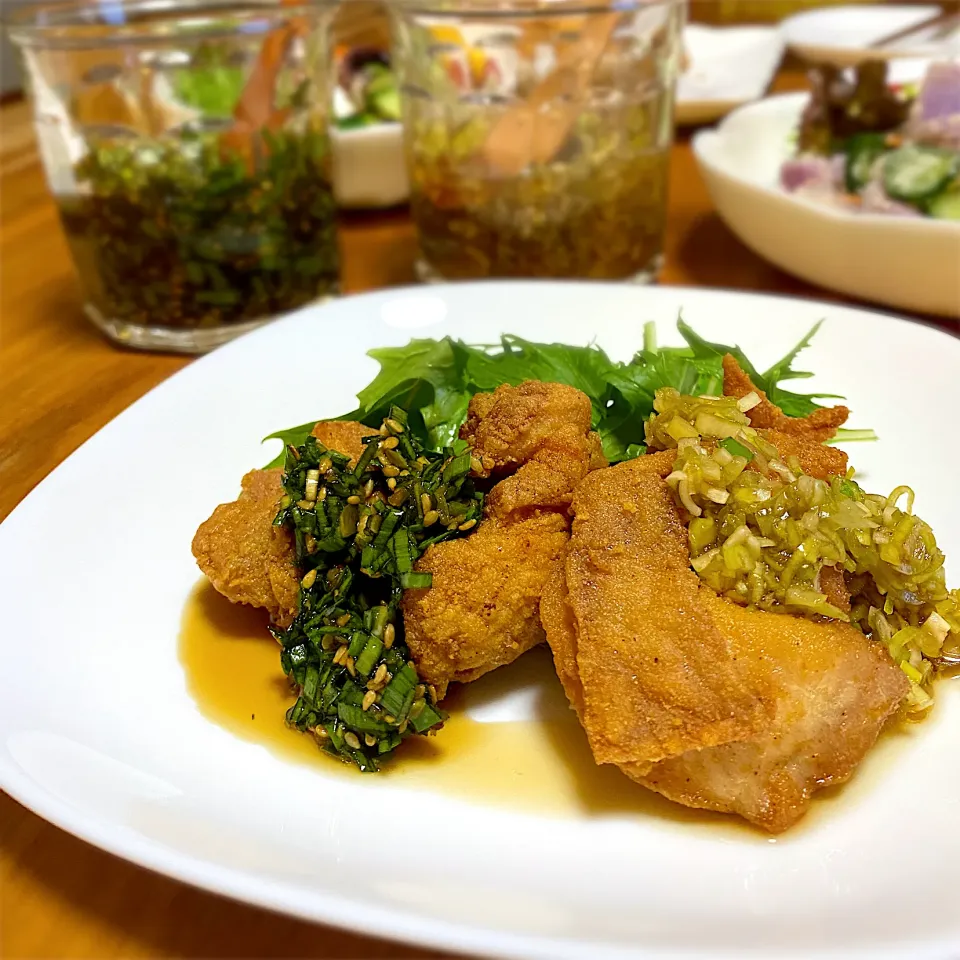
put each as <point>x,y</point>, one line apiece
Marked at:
<point>820,425</point>
<point>482,610</point>
<point>710,703</point>
<point>244,556</point>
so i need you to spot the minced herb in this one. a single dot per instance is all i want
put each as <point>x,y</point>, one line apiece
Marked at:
<point>359,531</point>
<point>184,232</point>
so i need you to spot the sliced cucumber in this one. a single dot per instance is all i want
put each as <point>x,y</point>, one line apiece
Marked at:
<point>385,103</point>
<point>945,206</point>
<point>912,173</point>
<point>862,151</point>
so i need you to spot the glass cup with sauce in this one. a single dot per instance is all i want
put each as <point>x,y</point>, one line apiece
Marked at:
<point>186,146</point>
<point>538,134</point>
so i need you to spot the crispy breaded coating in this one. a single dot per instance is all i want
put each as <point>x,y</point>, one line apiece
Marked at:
<point>344,436</point>
<point>658,677</point>
<point>540,434</point>
<point>244,556</point>
<point>773,706</point>
<point>820,425</point>
<point>836,688</point>
<point>816,458</point>
<point>482,610</point>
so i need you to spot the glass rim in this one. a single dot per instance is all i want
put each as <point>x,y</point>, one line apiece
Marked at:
<point>524,9</point>
<point>78,24</point>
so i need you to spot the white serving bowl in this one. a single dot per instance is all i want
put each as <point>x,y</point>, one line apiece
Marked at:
<point>369,169</point>
<point>902,262</point>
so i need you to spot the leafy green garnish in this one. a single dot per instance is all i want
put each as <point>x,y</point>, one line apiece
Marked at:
<point>435,380</point>
<point>358,532</point>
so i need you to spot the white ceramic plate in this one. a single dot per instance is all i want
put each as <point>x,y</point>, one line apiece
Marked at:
<point>728,66</point>
<point>99,734</point>
<point>897,261</point>
<point>842,35</point>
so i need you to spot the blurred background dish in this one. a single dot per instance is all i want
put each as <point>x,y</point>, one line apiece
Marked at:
<point>726,67</point>
<point>906,262</point>
<point>846,35</point>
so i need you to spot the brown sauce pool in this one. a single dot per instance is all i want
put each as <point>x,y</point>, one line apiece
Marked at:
<point>232,667</point>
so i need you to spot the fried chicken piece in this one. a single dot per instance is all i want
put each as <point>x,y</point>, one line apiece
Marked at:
<point>482,610</point>
<point>244,556</point>
<point>343,436</point>
<point>816,458</point>
<point>836,690</point>
<point>712,704</point>
<point>658,677</point>
<point>538,433</point>
<point>820,425</point>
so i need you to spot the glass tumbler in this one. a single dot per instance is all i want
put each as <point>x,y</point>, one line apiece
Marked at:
<point>186,147</point>
<point>538,135</point>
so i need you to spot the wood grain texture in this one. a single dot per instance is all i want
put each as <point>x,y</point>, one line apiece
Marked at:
<point>60,381</point>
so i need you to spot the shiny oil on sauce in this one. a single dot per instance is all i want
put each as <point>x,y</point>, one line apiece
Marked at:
<point>232,666</point>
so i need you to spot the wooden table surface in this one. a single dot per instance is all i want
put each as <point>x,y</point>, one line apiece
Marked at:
<point>60,381</point>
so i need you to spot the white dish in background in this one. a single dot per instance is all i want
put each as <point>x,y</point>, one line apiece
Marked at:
<point>912,263</point>
<point>728,66</point>
<point>99,734</point>
<point>369,168</point>
<point>842,35</point>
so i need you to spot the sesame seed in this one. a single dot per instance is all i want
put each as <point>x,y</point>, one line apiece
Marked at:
<point>380,675</point>
<point>389,635</point>
<point>391,443</point>
<point>305,504</point>
<point>344,620</point>
<point>433,692</point>
<point>430,518</point>
<point>392,484</point>
<point>351,740</point>
<point>403,727</point>
<point>309,579</point>
<point>370,740</point>
<point>352,669</point>
<point>419,691</point>
<point>384,431</point>
<point>369,699</point>
<point>368,488</point>
<point>475,465</point>
<point>321,732</point>
<point>354,499</point>
<point>391,471</point>
<point>469,525</point>
<point>390,719</point>
<point>395,425</point>
<point>340,655</point>
<point>322,494</point>
<point>426,501</point>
